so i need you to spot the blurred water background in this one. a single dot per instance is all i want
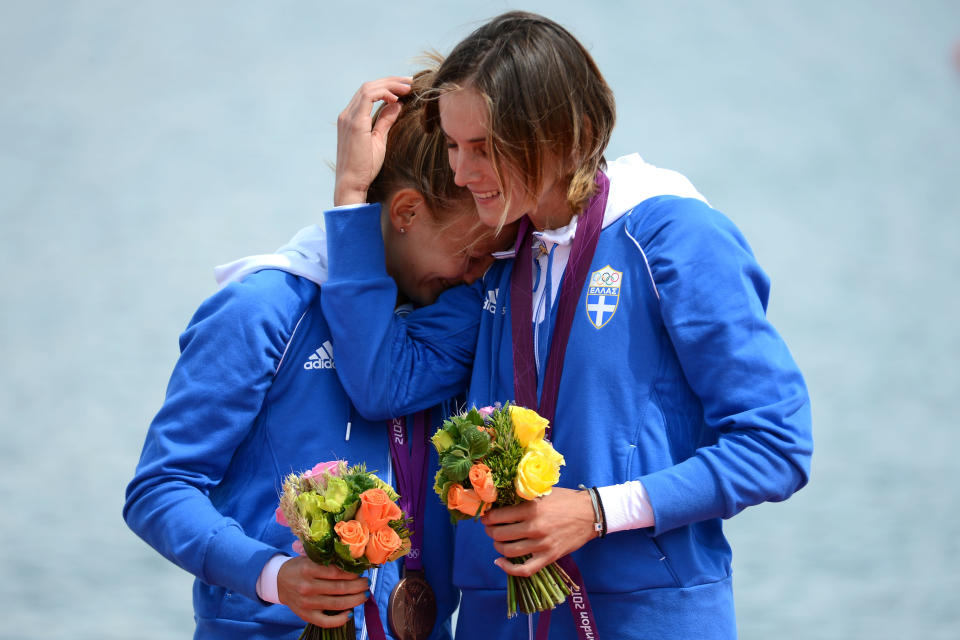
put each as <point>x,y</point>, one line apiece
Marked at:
<point>142,143</point>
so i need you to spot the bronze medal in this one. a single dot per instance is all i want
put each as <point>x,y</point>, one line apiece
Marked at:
<point>412,609</point>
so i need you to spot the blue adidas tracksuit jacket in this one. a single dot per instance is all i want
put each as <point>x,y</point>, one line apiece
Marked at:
<point>254,397</point>
<point>680,382</point>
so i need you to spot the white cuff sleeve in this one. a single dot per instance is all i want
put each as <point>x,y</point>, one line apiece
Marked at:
<point>626,506</point>
<point>267,582</point>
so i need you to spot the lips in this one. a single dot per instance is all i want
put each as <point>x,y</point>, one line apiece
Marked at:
<point>485,196</point>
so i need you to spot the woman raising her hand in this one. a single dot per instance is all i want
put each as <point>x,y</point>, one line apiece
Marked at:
<point>632,316</point>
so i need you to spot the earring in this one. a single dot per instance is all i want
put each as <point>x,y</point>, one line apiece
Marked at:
<point>403,230</point>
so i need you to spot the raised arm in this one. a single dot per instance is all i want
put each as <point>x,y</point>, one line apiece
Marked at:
<point>392,365</point>
<point>361,144</point>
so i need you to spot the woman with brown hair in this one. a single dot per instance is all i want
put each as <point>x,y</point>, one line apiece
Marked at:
<point>632,317</point>
<point>255,396</point>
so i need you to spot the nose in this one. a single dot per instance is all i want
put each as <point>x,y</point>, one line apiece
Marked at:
<point>462,168</point>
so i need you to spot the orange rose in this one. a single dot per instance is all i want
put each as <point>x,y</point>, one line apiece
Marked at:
<point>465,501</point>
<point>354,534</point>
<point>381,545</point>
<point>377,509</point>
<point>482,481</point>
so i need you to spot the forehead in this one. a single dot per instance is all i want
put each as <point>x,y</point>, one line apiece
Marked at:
<point>463,114</point>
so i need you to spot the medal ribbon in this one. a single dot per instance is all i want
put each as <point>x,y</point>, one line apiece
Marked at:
<point>371,618</point>
<point>521,306</point>
<point>583,618</point>
<point>411,471</point>
<point>524,365</point>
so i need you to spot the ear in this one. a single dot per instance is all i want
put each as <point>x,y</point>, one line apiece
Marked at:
<point>406,205</point>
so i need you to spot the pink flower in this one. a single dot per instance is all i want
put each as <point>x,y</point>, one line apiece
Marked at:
<point>298,548</point>
<point>486,412</point>
<point>332,467</point>
<point>281,518</point>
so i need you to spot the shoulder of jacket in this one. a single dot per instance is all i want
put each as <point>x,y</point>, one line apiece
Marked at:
<point>658,219</point>
<point>267,298</point>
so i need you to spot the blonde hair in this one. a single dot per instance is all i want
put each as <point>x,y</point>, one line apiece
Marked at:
<point>546,99</point>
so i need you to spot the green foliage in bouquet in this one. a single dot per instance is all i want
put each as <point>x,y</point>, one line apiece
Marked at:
<point>313,504</point>
<point>497,457</point>
<point>347,517</point>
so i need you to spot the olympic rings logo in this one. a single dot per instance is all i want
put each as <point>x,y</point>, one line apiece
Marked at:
<point>606,278</point>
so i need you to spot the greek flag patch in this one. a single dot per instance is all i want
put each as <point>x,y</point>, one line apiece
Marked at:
<point>603,295</point>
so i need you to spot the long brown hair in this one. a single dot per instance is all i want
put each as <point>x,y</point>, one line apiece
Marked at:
<point>545,98</point>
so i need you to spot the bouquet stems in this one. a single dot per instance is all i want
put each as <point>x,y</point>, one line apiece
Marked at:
<point>544,590</point>
<point>344,632</point>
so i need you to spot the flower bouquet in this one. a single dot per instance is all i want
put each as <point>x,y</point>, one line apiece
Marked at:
<point>343,516</point>
<point>497,457</point>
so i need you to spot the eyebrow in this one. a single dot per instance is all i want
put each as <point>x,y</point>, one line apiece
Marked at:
<point>470,141</point>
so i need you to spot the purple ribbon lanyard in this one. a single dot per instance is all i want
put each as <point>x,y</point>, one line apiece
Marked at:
<point>521,307</point>
<point>524,365</point>
<point>411,471</point>
<point>371,618</point>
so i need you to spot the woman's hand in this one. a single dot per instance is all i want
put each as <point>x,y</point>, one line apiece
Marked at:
<point>547,528</point>
<point>309,589</point>
<point>361,144</point>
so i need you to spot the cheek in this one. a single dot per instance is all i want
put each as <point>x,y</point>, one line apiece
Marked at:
<point>432,259</point>
<point>518,194</point>
<point>448,258</point>
<point>485,167</point>
<point>448,266</point>
<point>515,206</point>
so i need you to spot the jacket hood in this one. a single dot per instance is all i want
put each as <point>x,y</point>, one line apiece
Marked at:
<point>305,256</point>
<point>633,180</point>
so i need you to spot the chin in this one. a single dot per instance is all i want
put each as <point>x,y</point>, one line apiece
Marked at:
<point>490,218</point>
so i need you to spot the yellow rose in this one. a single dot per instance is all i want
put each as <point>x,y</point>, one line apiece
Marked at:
<point>546,449</point>
<point>528,425</point>
<point>538,471</point>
